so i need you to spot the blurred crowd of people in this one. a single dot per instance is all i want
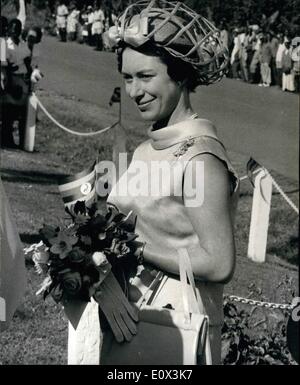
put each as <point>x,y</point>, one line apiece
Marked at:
<point>257,55</point>
<point>264,58</point>
<point>87,25</point>
<point>19,72</point>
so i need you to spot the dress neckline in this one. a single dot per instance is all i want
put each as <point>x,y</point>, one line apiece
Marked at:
<point>176,133</point>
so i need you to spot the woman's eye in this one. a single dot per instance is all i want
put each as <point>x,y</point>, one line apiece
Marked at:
<point>146,76</point>
<point>127,79</point>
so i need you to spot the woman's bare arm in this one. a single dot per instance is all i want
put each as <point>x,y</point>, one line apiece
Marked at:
<point>213,258</point>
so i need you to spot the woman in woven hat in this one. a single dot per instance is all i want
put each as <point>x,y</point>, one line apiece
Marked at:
<point>164,53</point>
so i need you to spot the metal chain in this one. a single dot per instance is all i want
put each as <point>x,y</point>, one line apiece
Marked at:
<point>253,302</point>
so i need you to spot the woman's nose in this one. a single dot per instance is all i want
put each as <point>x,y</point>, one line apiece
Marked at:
<point>135,89</point>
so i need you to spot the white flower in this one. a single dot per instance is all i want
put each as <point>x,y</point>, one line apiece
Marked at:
<point>45,285</point>
<point>99,258</point>
<point>40,259</point>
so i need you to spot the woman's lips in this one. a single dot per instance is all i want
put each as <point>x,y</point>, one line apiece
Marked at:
<point>145,104</point>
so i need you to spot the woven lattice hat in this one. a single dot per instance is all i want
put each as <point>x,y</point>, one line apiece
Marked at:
<point>177,29</point>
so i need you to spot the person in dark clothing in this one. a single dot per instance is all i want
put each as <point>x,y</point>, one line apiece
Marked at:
<point>14,102</point>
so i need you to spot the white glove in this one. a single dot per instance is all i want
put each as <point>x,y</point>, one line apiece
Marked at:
<point>36,76</point>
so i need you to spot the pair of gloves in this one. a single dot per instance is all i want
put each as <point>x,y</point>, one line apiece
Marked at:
<point>120,314</point>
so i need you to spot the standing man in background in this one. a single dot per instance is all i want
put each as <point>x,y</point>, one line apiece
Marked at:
<point>278,59</point>
<point>224,34</point>
<point>296,63</point>
<point>72,22</point>
<point>90,20</point>
<point>61,20</point>
<point>98,26</point>
<point>15,99</point>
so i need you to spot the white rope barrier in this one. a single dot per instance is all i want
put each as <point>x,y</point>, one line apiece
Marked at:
<point>278,188</point>
<point>71,131</point>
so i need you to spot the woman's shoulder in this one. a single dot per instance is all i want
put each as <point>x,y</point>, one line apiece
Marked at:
<point>140,149</point>
<point>207,141</point>
<point>212,152</point>
<point>141,152</point>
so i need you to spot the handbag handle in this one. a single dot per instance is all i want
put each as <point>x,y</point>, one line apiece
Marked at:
<point>185,270</point>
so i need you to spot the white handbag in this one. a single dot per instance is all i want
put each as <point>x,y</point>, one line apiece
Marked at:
<point>166,336</point>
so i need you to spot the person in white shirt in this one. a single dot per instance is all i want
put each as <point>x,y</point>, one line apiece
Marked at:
<point>98,27</point>
<point>61,20</point>
<point>3,51</point>
<point>234,58</point>
<point>110,20</point>
<point>224,34</point>
<point>243,45</point>
<point>83,33</point>
<point>90,20</point>
<point>72,22</point>
<point>288,77</point>
<point>34,37</point>
<point>296,63</point>
<point>254,65</point>
<point>278,60</point>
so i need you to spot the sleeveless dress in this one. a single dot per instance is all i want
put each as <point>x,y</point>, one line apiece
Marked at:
<point>161,214</point>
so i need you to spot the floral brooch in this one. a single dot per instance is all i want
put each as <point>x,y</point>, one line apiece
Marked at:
<point>184,147</point>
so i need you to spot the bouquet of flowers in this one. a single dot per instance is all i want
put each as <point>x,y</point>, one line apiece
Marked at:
<point>92,251</point>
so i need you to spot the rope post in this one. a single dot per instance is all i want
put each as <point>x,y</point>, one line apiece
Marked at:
<point>30,123</point>
<point>119,139</point>
<point>2,310</point>
<point>260,214</point>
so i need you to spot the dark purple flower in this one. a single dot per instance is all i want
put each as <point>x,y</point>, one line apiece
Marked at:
<point>57,293</point>
<point>62,244</point>
<point>71,283</point>
<point>76,255</point>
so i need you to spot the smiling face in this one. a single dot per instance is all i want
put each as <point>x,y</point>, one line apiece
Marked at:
<point>148,84</point>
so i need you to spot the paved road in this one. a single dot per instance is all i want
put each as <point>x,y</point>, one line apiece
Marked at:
<point>252,120</point>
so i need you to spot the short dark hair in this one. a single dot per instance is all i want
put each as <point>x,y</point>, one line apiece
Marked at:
<point>15,23</point>
<point>177,69</point>
<point>39,34</point>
